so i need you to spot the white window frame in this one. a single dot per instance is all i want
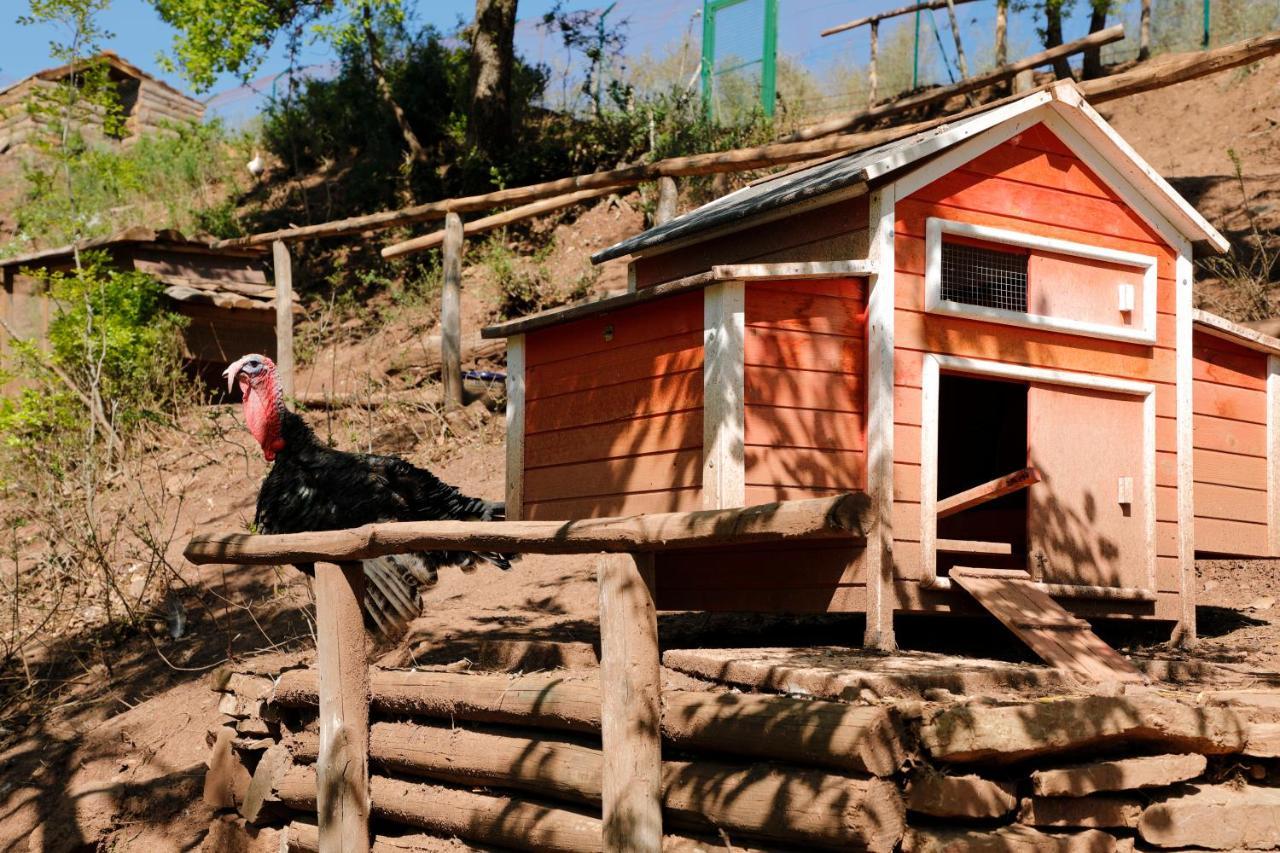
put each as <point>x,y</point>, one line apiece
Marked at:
<point>935,364</point>
<point>936,227</point>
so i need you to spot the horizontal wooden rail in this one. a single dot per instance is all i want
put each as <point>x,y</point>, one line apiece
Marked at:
<point>841,517</point>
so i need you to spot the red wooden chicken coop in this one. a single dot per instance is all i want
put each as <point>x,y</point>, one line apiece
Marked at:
<point>987,327</point>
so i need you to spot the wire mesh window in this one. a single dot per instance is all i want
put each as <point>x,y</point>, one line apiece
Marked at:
<point>977,276</point>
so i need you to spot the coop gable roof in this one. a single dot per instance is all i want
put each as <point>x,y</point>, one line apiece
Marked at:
<point>116,62</point>
<point>855,173</point>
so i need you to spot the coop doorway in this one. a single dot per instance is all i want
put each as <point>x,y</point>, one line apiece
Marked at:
<point>982,437</point>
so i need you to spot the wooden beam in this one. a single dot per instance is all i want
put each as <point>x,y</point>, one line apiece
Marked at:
<point>997,488</point>
<point>1169,70</point>
<point>498,220</point>
<point>943,93</point>
<point>283,268</point>
<point>843,517</point>
<point>854,738</point>
<point>967,546</point>
<point>892,13</point>
<point>724,399</point>
<point>451,312</point>
<point>873,77</point>
<point>955,34</point>
<point>630,706</point>
<point>342,771</point>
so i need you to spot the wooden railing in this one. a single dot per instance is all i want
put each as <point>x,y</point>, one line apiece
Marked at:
<point>629,661</point>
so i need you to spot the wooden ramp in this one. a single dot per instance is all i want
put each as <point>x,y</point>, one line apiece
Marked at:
<point>1060,639</point>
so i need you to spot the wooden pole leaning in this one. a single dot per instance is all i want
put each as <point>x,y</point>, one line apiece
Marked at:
<point>342,771</point>
<point>451,312</point>
<point>631,705</point>
<point>283,269</point>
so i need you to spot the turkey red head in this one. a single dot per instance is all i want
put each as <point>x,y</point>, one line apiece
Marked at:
<point>260,398</point>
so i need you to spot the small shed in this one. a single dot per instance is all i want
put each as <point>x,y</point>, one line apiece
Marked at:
<point>226,294</point>
<point>147,102</point>
<point>988,327</point>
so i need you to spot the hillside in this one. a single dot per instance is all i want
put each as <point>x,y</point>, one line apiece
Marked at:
<point>106,746</point>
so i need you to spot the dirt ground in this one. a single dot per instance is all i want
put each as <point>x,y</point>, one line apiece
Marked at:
<point>113,755</point>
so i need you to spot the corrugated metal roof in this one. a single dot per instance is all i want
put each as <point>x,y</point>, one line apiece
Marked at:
<point>787,189</point>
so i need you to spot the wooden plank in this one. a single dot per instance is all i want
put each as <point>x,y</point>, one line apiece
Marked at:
<point>989,491</point>
<point>830,470</point>
<point>1225,401</point>
<point>451,312</point>
<point>1051,632</point>
<point>283,267</point>
<point>1213,433</point>
<point>640,360</point>
<point>968,546</point>
<point>614,328</point>
<point>845,517</point>
<point>342,792</point>
<point>631,705</point>
<point>1224,469</point>
<point>803,311</point>
<point>671,393</point>
<point>614,476</point>
<point>799,351</point>
<point>660,433</point>
<point>775,426</point>
<point>797,389</point>
<point>604,506</point>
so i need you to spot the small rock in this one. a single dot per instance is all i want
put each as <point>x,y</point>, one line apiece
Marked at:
<point>1264,603</point>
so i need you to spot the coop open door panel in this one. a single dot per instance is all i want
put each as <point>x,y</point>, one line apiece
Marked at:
<point>1087,518</point>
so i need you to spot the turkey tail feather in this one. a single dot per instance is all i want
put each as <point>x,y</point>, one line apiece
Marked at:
<point>390,600</point>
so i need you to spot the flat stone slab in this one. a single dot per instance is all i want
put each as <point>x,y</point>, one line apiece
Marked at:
<point>1010,839</point>
<point>1090,812</point>
<point>1010,733</point>
<point>1125,774</point>
<point>1216,817</point>
<point>841,673</point>
<point>959,796</point>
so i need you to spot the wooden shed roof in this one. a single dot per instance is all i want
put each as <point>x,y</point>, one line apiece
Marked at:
<point>117,63</point>
<point>1221,327</point>
<point>853,174</point>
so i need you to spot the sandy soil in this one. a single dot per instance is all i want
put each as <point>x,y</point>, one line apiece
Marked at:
<point>112,756</point>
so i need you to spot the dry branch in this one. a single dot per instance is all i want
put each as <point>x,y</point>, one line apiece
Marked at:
<point>497,220</point>
<point>972,84</point>
<point>841,517</point>
<point>861,739</point>
<point>892,13</point>
<point>1171,70</point>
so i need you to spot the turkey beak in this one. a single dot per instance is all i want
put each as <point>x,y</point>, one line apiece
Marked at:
<point>233,371</point>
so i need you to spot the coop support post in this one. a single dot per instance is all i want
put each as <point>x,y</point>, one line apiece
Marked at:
<point>342,771</point>
<point>880,381</point>
<point>450,312</point>
<point>667,199</point>
<point>1273,454</point>
<point>631,705</point>
<point>1185,632</point>
<point>283,266</point>
<point>515,428</point>
<point>723,389</point>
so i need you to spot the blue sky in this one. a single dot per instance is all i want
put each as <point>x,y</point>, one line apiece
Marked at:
<point>140,36</point>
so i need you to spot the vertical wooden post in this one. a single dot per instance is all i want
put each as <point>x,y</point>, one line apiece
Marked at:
<point>283,265</point>
<point>1144,31</point>
<point>1185,632</point>
<point>1002,32</point>
<point>451,311</point>
<point>631,700</point>
<point>515,428</point>
<point>668,196</point>
<point>342,770</point>
<point>881,598</point>
<point>1273,454</point>
<point>873,80</point>
<point>723,395</point>
<point>955,34</point>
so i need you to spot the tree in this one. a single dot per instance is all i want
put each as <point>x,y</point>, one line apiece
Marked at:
<point>216,36</point>
<point>492,54</point>
<point>1098,11</point>
<point>1051,33</point>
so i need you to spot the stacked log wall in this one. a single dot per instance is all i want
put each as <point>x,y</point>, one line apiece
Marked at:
<point>514,762</point>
